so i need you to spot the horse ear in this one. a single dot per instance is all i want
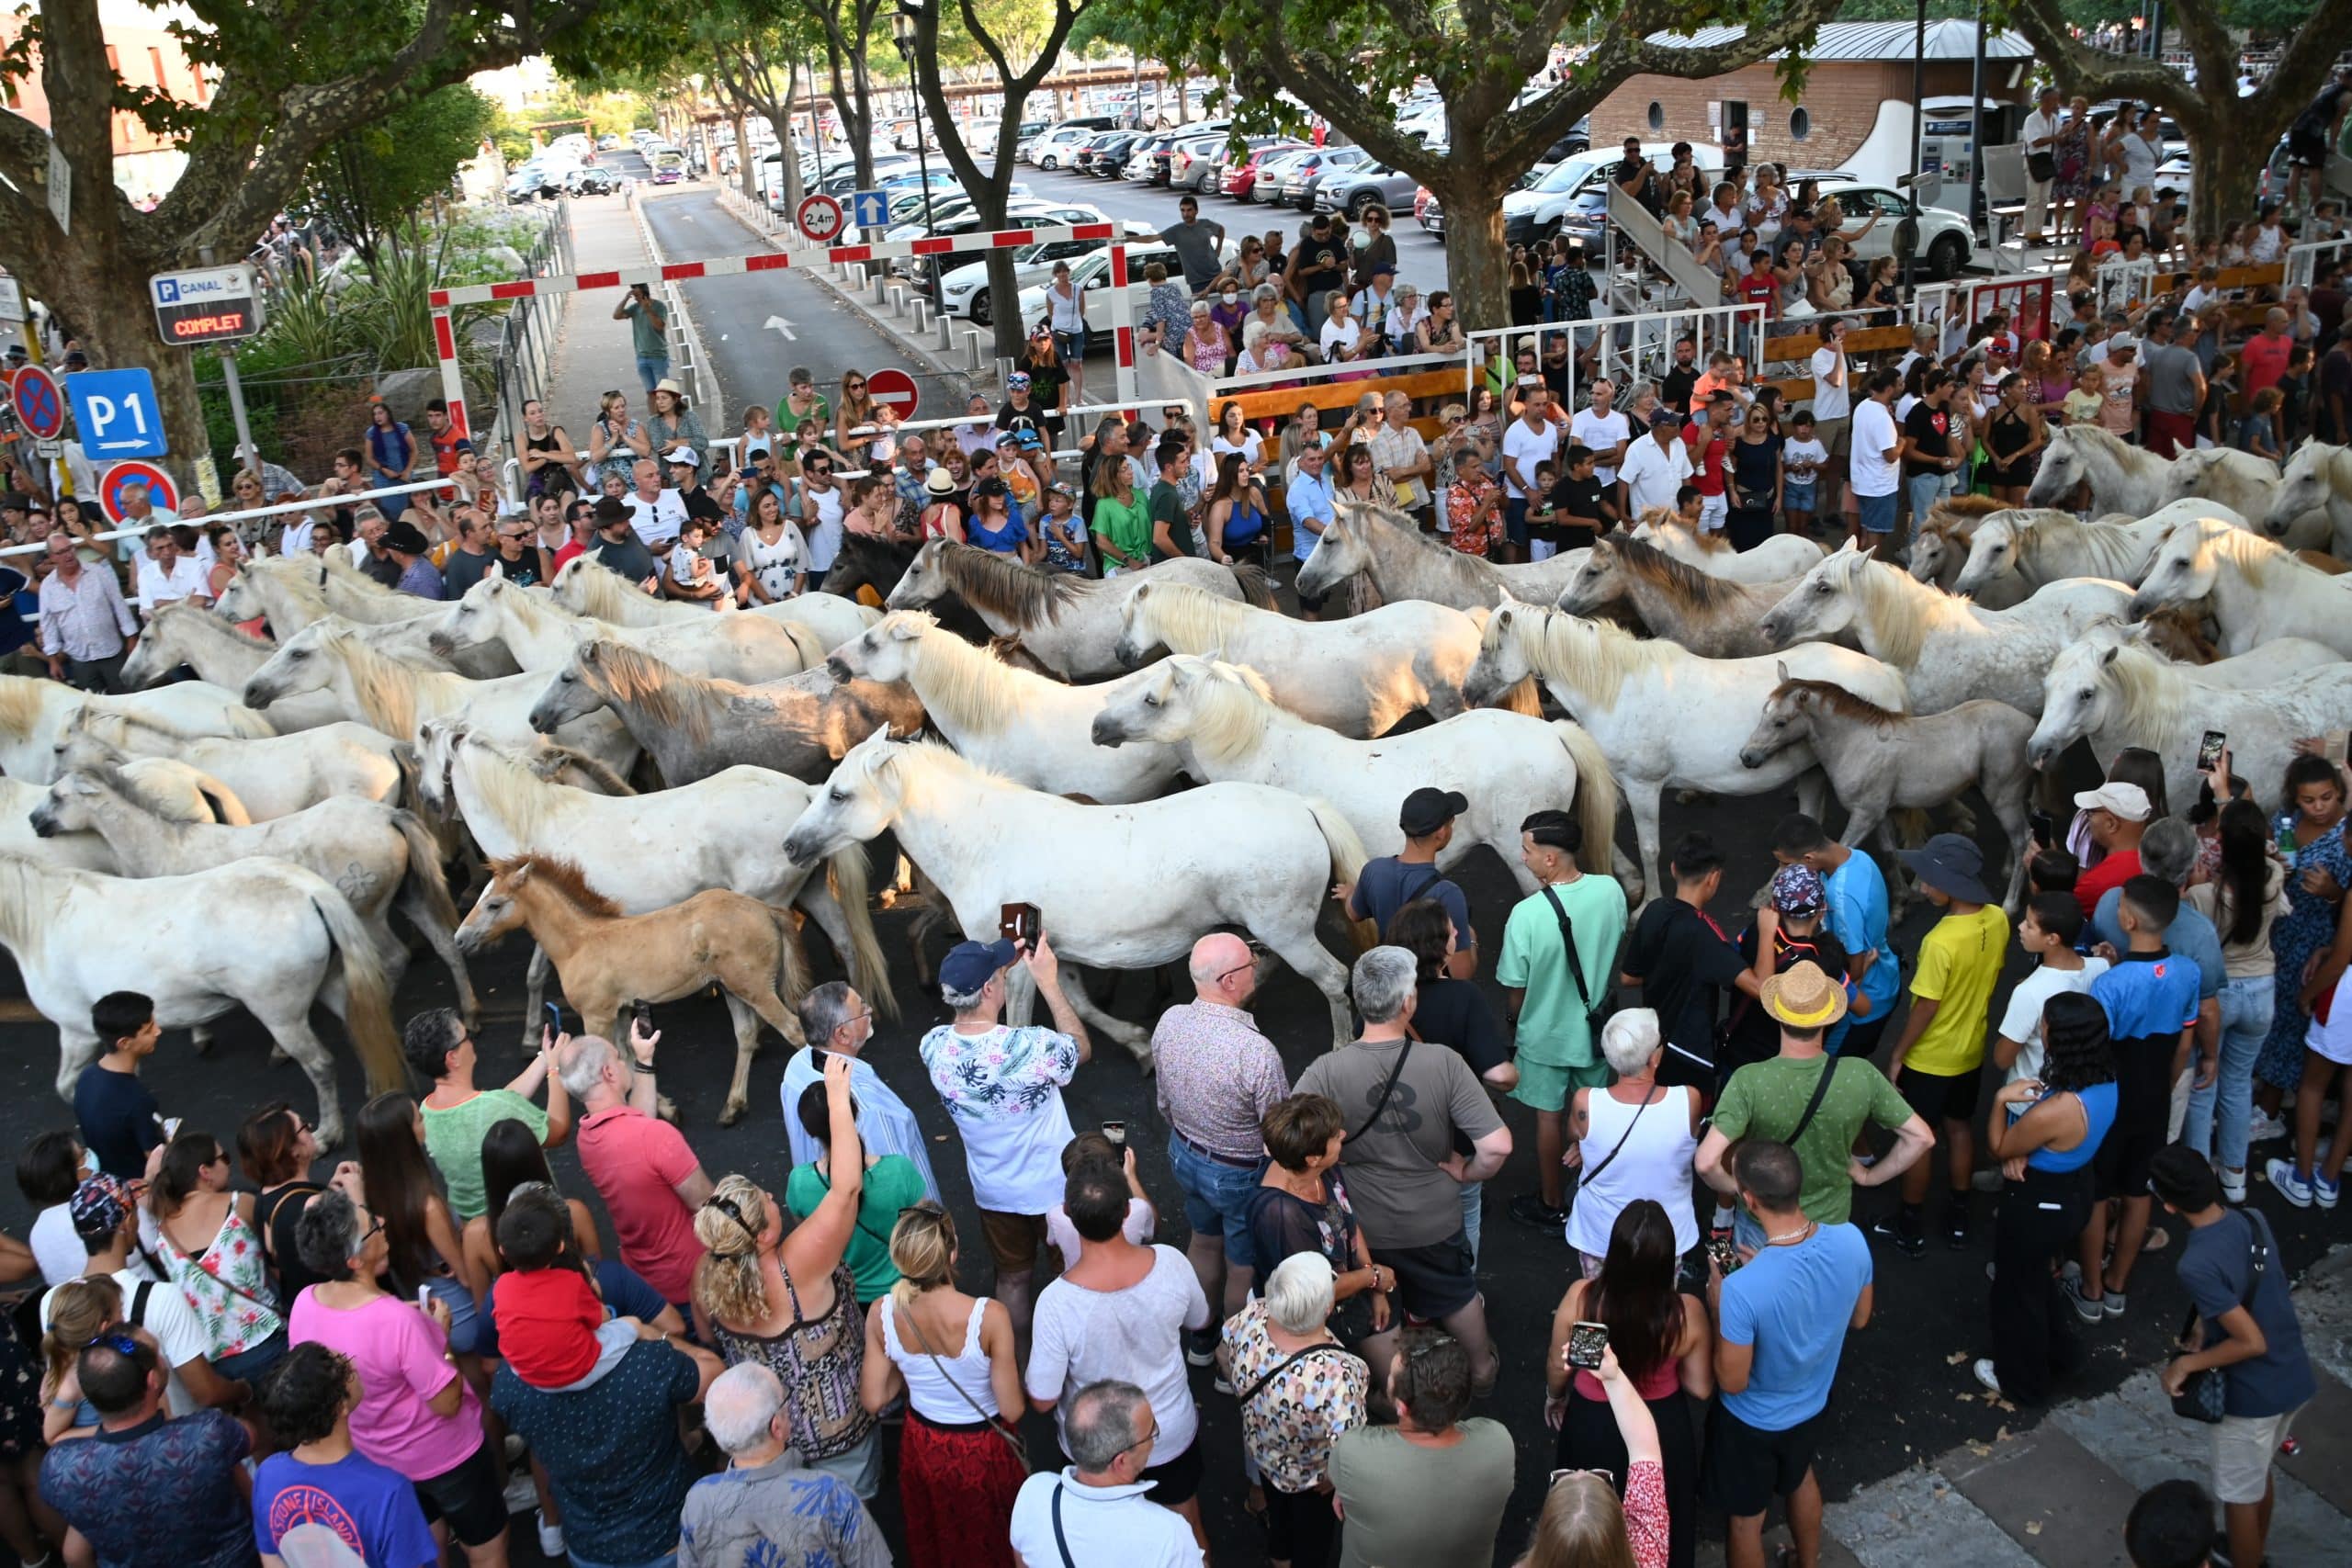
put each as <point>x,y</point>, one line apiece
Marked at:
<point>589,653</point>
<point>905,627</point>
<point>1865,552</point>
<point>1780,668</point>
<point>2107,656</point>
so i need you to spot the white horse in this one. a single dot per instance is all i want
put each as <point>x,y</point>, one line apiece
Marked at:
<point>1777,559</point>
<point>2043,545</point>
<point>587,587</point>
<point>1403,562</point>
<point>1880,762</point>
<point>271,777</point>
<point>1664,716</point>
<point>347,591</point>
<point>1116,886</point>
<point>2248,487</point>
<point>377,856</point>
<point>1224,725</point>
<point>2256,589</point>
<point>648,851</point>
<point>541,635</point>
<point>1024,725</point>
<point>2114,694</point>
<point>291,602</point>
<point>34,716</point>
<point>1358,676</point>
<point>1949,650</point>
<point>2272,662</point>
<point>73,851</point>
<point>2318,476</point>
<point>393,698</point>
<point>184,632</point>
<point>2124,477</point>
<point>260,934</point>
<point>1067,623</point>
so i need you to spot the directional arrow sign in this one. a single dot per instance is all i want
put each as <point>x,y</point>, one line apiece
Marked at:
<point>780,324</point>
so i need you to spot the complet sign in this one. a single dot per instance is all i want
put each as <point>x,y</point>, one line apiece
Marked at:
<point>216,304</point>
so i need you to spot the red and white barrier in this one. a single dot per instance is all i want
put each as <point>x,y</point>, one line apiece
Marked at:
<point>1121,308</point>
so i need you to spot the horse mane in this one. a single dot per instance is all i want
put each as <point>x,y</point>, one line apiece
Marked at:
<point>598,587</point>
<point>286,573</point>
<point>1659,520</point>
<point>1232,707</point>
<point>1189,619</point>
<point>1697,589</point>
<point>1475,576</point>
<point>966,776</point>
<point>1897,623</point>
<point>976,688</point>
<point>117,721</point>
<point>1000,585</point>
<point>2156,697</point>
<point>551,763</point>
<point>1837,700</point>
<point>384,688</point>
<point>669,698</point>
<point>1954,507</point>
<point>510,787</point>
<point>2178,633</point>
<point>2257,559</point>
<point>1595,657</point>
<point>192,616</point>
<point>565,876</point>
<point>20,704</point>
<point>24,901</point>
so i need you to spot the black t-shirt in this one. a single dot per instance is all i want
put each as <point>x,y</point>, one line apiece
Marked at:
<point>522,571</point>
<point>1682,959</point>
<point>1674,389</point>
<point>1456,1014</point>
<point>118,1119</point>
<point>382,570</point>
<point>1031,418</point>
<point>626,556</point>
<point>1560,375</point>
<point>699,503</point>
<point>1320,265</point>
<point>1629,170</point>
<point>1752,1035</point>
<point>1573,499</point>
<point>1929,429</point>
<point>2320,114</point>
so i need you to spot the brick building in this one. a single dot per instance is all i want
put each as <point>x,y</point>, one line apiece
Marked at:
<point>1854,112</point>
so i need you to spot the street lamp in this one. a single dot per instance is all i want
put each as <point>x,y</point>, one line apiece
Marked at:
<point>902,31</point>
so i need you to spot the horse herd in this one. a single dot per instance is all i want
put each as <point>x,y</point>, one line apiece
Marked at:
<point>659,797</point>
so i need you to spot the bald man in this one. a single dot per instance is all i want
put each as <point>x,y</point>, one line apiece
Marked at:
<point>1217,1078</point>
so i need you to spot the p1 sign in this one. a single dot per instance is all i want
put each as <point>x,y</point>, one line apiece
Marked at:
<point>117,413</point>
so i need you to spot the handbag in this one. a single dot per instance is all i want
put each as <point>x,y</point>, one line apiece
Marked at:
<point>2203,1396</point>
<point>1596,1014</point>
<point>2042,166</point>
<point>995,1423</point>
<point>1277,1370</point>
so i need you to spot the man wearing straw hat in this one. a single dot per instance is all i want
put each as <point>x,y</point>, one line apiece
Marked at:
<point>1815,1103</point>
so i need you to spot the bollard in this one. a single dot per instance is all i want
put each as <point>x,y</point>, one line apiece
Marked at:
<point>946,332</point>
<point>923,315</point>
<point>975,352</point>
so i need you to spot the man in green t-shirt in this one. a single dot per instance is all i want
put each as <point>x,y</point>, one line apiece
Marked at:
<point>1552,1007</point>
<point>649,333</point>
<point>440,1049</point>
<point>1768,1100</point>
<point>1171,525</point>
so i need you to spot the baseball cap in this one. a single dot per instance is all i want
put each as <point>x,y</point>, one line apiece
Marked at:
<point>1797,890</point>
<point>1018,381</point>
<point>2122,342</point>
<point>100,1205</point>
<point>2128,801</point>
<point>969,965</point>
<point>1426,810</point>
<point>682,453</point>
<point>547,1321</point>
<point>1032,442</point>
<point>1665,417</point>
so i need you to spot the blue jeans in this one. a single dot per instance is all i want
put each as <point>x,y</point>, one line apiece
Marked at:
<point>1925,491</point>
<point>651,367</point>
<point>1877,513</point>
<point>1473,1207</point>
<point>1217,1198</point>
<point>2228,1101</point>
<point>253,1360</point>
<point>1515,521</point>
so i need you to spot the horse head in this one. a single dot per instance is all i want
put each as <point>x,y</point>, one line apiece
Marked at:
<point>2304,487</point>
<point>1780,726</point>
<point>1340,552</point>
<point>303,662</point>
<point>1822,603</point>
<point>2074,698</point>
<point>885,651</point>
<point>498,910</point>
<point>577,691</point>
<point>853,805</point>
<point>472,620</point>
<point>925,582</point>
<point>2063,468</point>
<point>1597,583</point>
<point>2182,570</point>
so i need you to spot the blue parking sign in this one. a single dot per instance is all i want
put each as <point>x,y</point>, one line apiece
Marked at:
<point>117,414</point>
<point>869,210</point>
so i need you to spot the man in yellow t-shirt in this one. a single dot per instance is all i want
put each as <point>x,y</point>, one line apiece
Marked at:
<point>1941,1058</point>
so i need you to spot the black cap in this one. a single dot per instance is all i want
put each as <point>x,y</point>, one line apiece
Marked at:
<point>404,536</point>
<point>1426,810</point>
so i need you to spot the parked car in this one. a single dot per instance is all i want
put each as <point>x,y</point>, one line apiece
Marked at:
<point>1107,155</point>
<point>1143,158</point>
<point>1092,272</point>
<point>1571,197</point>
<point>1057,146</point>
<point>1268,187</point>
<point>1026,137</point>
<point>1946,241</point>
<point>1019,214</point>
<point>1299,183</point>
<point>1164,148</point>
<point>1198,163</point>
<point>963,291</point>
<point>1372,185</point>
<point>1240,175</point>
<point>1428,213</point>
<point>590,180</point>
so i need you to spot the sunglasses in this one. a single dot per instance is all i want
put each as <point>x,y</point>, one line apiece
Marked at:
<point>121,1344</point>
<point>856,386</point>
<point>1559,1475</point>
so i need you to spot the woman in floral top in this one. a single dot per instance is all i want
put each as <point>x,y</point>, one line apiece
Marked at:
<point>214,1253</point>
<point>1473,506</point>
<point>1298,1391</point>
<point>1583,1522</point>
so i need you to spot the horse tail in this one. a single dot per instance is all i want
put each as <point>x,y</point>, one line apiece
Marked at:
<point>1339,838</point>
<point>1596,787</point>
<point>869,971</point>
<point>424,875</point>
<point>227,809</point>
<point>792,978</point>
<point>367,1008</point>
<point>805,642</point>
<point>249,724</point>
<point>1527,698</point>
<point>411,776</point>
<point>1257,588</point>
<point>1910,824</point>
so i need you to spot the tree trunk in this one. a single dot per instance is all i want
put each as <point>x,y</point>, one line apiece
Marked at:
<point>116,325</point>
<point>1476,260</point>
<point>747,166</point>
<point>2225,168</point>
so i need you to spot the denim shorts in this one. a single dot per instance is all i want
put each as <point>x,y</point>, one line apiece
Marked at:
<point>1877,513</point>
<point>1216,1197</point>
<point>1070,346</point>
<point>465,1323</point>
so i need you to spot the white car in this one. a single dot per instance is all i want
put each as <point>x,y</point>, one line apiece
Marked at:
<point>964,292</point>
<point>1053,149</point>
<point>1945,239</point>
<point>1094,272</point>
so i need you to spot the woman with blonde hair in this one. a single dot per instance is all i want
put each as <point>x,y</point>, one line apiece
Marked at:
<point>789,1302</point>
<point>1584,1523</point>
<point>960,1457</point>
<point>79,1310</point>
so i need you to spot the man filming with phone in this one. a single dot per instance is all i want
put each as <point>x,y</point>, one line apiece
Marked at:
<point>1002,1084</point>
<point>649,329</point>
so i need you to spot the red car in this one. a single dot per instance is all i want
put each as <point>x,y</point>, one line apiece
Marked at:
<point>1240,176</point>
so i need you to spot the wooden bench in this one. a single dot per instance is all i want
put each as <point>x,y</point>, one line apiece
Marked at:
<point>1279,403</point>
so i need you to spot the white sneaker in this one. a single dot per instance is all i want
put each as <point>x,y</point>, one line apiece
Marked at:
<point>2233,1185</point>
<point>521,1494</point>
<point>2262,1129</point>
<point>1984,1370</point>
<point>551,1539</point>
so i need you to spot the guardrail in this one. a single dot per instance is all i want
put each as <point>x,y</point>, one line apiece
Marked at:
<point>213,519</point>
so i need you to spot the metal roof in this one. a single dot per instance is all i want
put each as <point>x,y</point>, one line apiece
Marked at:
<point>1948,40</point>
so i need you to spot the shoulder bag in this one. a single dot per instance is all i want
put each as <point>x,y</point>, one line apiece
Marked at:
<point>1596,1013</point>
<point>1586,1180</point>
<point>1820,1093</point>
<point>2203,1396</point>
<point>1271,1374</point>
<point>996,1424</point>
<point>1380,1102</point>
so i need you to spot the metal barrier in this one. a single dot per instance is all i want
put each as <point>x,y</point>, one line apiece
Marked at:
<point>2124,284</point>
<point>1638,347</point>
<point>212,519</point>
<point>2302,260</point>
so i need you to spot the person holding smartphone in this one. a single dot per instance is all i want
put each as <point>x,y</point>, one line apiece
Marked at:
<point>648,329</point>
<point>441,1050</point>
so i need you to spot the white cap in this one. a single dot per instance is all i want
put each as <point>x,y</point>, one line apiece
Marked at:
<point>682,453</point>
<point>2122,343</point>
<point>2128,801</point>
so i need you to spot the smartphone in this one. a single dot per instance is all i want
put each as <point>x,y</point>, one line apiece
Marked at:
<point>425,1298</point>
<point>1117,1133</point>
<point>555,1019</point>
<point>2045,830</point>
<point>1018,923</point>
<point>643,1015</point>
<point>1586,1342</point>
<point>2209,749</point>
<point>1726,1252</point>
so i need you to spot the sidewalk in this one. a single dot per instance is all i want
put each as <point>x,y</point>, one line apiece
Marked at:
<point>593,353</point>
<point>2055,1492</point>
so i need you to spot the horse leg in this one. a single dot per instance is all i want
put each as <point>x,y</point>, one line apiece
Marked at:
<point>1020,995</point>
<point>440,936</point>
<point>1137,1040</point>
<point>1813,792</point>
<point>747,1044</point>
<point>1642,800</point>
<point>76,1049</point>
<point>1509,849</point>
<point>291,1028</point>
<point>2006,792</point>
<point>1313,960</point>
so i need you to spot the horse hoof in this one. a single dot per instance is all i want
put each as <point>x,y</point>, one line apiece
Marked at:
<point>667,1110</point>
<point>731,1114</point>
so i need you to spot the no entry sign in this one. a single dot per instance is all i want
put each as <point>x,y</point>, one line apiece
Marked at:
<point>895,387</point>
<point>162,493</point>
<point>819,217</point>
<point>38,402</point>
